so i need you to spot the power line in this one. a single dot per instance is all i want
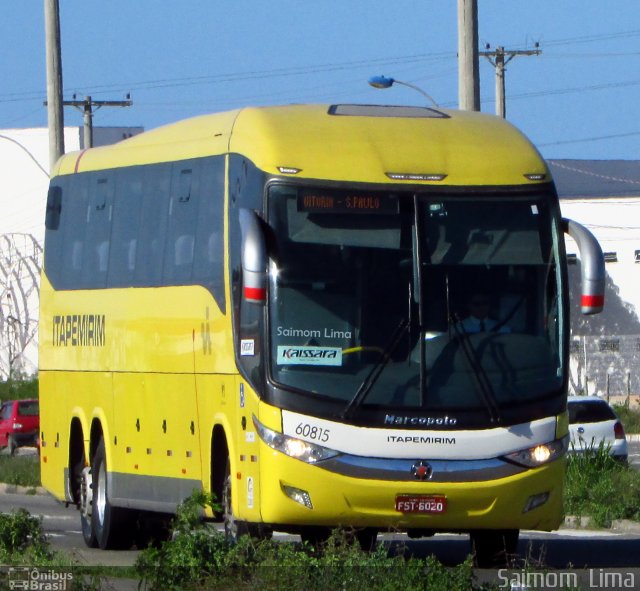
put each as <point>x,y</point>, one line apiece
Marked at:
<point>87,106</point>
<point>244,75</point>
<point>589,139</point>
<point>499,58</point>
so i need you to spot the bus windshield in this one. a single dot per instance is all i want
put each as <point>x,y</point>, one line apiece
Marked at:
<point>414,301</point>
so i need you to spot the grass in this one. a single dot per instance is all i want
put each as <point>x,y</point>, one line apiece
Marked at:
<point>630,418</point>
<point>20,470</point>
<point>601,488</point>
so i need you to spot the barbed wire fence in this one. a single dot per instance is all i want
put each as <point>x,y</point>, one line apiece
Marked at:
<point>20,264</point>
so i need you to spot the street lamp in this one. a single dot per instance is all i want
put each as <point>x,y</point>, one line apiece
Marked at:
<point>24,149</point>
<point>385,82</point>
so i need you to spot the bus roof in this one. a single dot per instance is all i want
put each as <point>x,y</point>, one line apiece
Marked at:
<point>364,143</point>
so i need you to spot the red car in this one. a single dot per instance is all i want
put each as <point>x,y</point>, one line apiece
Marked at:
<point>19,424</point>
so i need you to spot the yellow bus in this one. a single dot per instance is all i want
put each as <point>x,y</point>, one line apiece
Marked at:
<point>272,305</point>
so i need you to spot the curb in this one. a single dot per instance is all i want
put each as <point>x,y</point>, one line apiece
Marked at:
<point>617,525</point>
<point>633,437</point>
<point>15,489</point>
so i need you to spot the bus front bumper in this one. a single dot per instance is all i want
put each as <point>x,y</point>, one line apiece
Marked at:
<point>300,494</point>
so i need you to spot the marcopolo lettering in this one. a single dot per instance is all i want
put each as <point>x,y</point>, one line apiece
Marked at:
<point>420,421</point>
<point>79,330</point>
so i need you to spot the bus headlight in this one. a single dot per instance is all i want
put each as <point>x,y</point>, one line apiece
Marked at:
<point>292,446</point>
<point>539,455</point>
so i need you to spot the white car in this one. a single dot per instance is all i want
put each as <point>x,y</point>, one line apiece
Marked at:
<point>592,422</point>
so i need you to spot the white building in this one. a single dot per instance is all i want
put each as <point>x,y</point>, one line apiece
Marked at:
<point>604,195</point>
<point>24,177</point>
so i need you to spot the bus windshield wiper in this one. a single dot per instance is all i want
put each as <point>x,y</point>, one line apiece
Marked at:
<point>376,370</point>
<point>480,378</point>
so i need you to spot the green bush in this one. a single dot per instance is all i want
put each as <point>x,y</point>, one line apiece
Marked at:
<point>630,417</point>
<point>21,532</point>
<point>23,543</point>
<point>601,487</point>
<point>198,557</point>
<point>192,555</point>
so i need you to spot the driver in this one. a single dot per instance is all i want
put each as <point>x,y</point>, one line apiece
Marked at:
<point>478,320</point>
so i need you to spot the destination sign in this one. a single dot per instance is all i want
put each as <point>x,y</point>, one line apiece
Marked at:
<point>327,201</point>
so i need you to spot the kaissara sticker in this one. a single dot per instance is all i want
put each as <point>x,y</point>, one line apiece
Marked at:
<point>296,355</point>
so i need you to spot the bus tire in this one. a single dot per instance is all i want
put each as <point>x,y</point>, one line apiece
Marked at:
<point>315,536</point>
<point>367,538</point>
<point>88,534</point>
<point>86,503</point>
<point>233,528</point>
<point>108,523</point>
<point>494,548</point>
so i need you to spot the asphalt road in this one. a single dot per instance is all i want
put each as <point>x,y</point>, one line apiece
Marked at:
<point>580,548</point>
<point>590,553</point>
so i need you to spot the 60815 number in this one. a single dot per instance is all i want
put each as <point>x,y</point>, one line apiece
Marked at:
<point>313,432</point>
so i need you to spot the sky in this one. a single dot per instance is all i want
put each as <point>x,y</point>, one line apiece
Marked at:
<point>578,99</point>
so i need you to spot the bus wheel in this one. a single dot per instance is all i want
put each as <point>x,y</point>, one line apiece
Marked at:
<point>315,536</point>
<point>367,538</point>
<point>228,518</point>
<point>494,548</point>
<point>108,523</point>
<point>86,505</point>
<point>233,528</point>
<point>152,529</point>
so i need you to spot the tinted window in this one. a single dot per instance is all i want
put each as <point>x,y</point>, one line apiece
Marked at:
<point>153,225</point>
<point>183,219</point>
<point>143,226</point>
<point>98,231</point>
<point>590,412</point>
<point>5,413</point>
<point>125,228</point>
<point>28,408</point>
<point>73,221</point>
<point>208,262</point>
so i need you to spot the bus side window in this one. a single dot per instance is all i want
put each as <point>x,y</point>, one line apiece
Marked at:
<point>183,212</point>
<point>73,221</point>
<point>102,252</point>
<point>98,230</point>
<point>131,254</point>
<point>208,256</point>
<point>57,199</point>
<point>76,256</point>
<point>152,225</point>
<point>125,228</point>
<point>183,252</point>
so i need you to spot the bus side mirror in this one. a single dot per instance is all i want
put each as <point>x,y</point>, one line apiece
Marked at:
<point>592,266</point>
<point>54,207</point>
<point>254,257</point>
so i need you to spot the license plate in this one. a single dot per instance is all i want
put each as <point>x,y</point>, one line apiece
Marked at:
<point>421,504</point>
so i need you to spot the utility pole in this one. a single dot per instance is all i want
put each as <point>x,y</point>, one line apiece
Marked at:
<point>55,113</point>
<point>501,57</point>
<point>468,60</point>
<point>87,106</point>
